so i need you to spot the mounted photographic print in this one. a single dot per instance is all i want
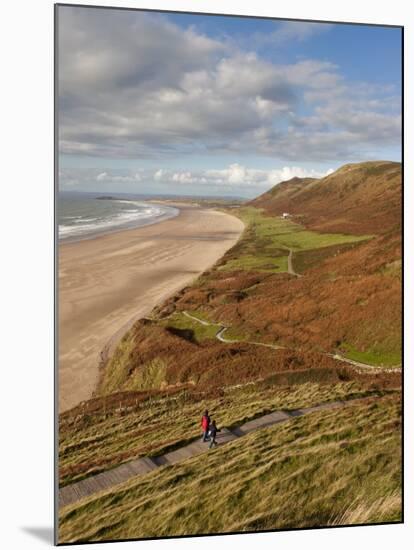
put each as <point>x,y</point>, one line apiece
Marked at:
<point>229,274</point>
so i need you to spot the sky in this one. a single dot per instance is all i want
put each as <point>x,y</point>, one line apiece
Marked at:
<point>180,104</point>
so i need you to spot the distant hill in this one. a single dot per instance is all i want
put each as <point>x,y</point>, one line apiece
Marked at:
<point>358,198</point>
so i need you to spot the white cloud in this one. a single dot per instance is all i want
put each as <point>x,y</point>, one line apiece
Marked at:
<point>289,172</point>
<point>134,85</point>
<point>183,177</point>
<point>108,177</point>
<point>236,176</point>
<point>102,176</point>
<point>158,175</point>
<point>299,30</point>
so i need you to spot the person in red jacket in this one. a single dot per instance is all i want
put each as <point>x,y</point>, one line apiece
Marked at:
<point>205,425</point>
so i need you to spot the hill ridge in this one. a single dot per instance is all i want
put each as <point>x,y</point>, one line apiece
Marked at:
<point>358,198</point>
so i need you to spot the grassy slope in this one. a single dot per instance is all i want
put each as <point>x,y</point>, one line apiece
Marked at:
<point>120,374</point>
<point>268,480</point>
<point>267,240</point>
<point>375,355</point>
<point>100,441</point>
<point>349,299</point>
<point>179,323</point>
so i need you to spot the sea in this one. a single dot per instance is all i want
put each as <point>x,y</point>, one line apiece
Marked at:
<point>86,215</point>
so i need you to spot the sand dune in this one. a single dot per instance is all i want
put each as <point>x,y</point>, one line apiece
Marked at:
<point>106,283</point>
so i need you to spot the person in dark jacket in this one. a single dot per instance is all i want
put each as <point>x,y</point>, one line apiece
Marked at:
<point>205,425</point>
<point>213,433</point>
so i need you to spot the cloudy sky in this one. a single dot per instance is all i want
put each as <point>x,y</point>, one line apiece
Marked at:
<point>208,105</point>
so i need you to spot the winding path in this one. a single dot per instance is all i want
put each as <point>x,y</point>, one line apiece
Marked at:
<point>111,478</point>
<point>361,367</point>
<point>291,271</point>
<point>220,334</point>
<point>336,356</point>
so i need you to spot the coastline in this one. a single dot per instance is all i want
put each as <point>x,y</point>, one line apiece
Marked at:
<point>110,280</point>
<point>171,211</point>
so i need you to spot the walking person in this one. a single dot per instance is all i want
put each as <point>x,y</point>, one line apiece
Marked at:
<point>213,433</point>
<point>205,425</point>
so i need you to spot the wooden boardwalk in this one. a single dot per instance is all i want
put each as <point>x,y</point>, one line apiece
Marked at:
<point>141,466</point>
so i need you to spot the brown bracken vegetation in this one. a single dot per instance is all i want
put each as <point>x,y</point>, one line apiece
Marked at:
<point>350,297</point>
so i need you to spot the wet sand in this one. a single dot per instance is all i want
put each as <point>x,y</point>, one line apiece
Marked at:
<point>108,282</point>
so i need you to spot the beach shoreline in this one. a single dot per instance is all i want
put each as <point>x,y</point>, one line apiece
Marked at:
<point>94,231</point>
<point>110,280</point>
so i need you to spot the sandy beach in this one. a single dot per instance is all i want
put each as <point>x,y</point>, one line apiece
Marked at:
<point>108,282</point>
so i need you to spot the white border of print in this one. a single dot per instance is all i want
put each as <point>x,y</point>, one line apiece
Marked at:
<point>27,273</point>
